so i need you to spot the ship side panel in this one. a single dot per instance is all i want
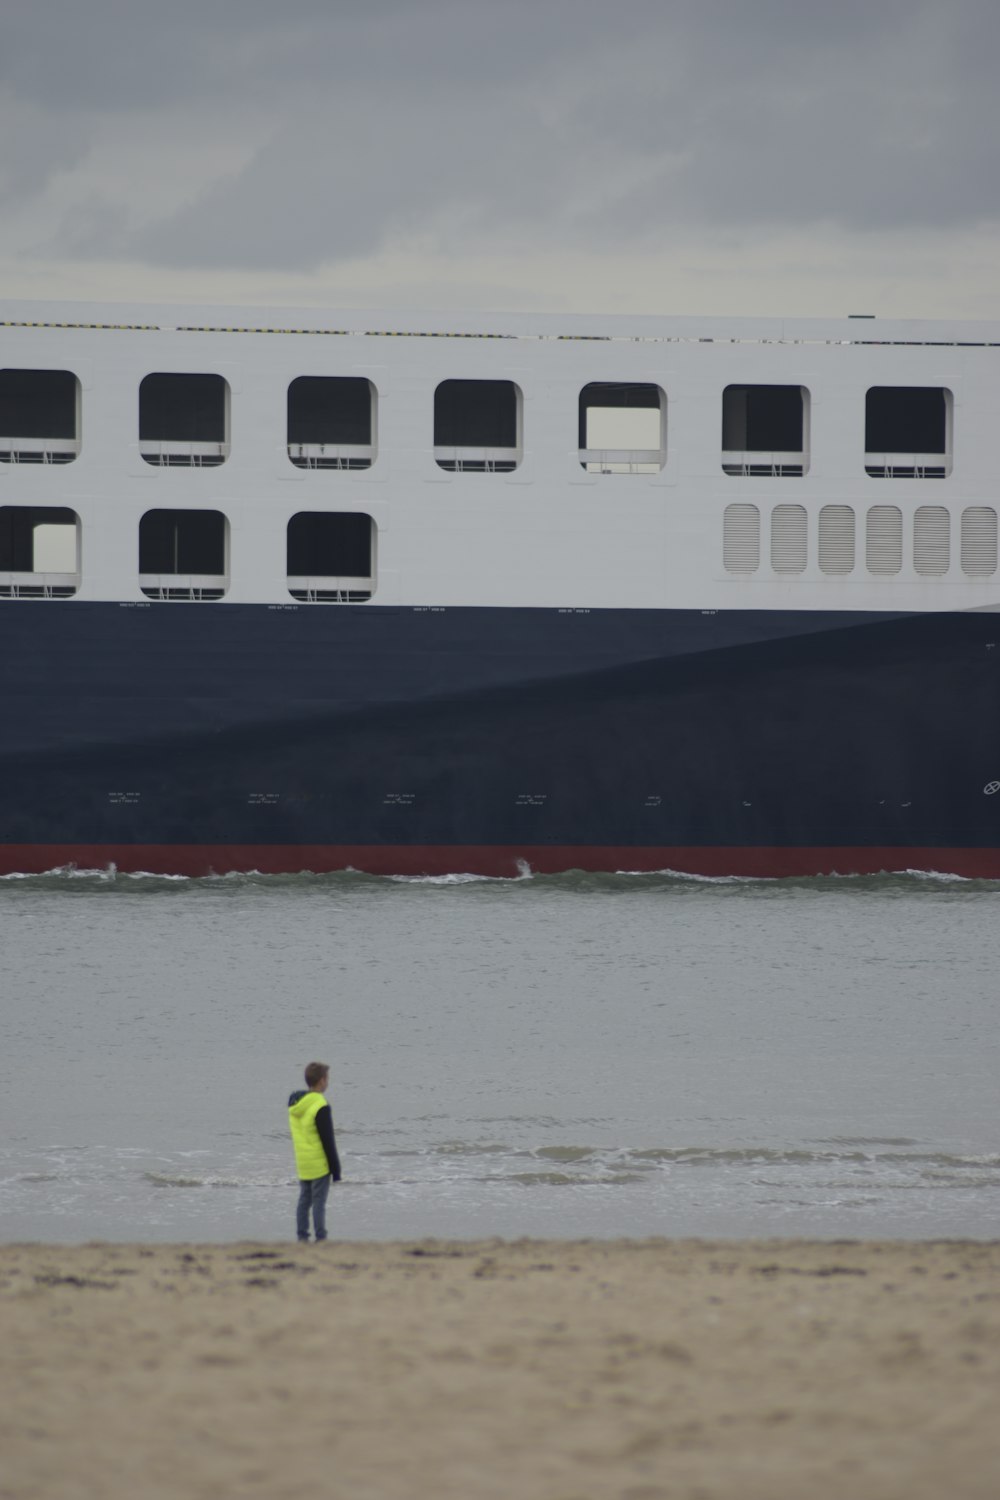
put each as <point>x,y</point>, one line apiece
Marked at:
<point>185,739</point>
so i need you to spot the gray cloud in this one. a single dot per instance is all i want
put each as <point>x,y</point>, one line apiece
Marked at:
<point>570,122</point>
<point>36,146</point>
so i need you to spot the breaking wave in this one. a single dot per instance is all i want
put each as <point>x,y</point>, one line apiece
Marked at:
<point>110,879</point>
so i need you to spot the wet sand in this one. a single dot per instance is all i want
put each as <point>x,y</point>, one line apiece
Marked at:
<point>528,1370</point>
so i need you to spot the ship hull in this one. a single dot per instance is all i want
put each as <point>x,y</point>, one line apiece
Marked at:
<point>190,739</point>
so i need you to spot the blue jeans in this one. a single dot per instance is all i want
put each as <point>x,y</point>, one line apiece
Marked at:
<point>312,1194</point>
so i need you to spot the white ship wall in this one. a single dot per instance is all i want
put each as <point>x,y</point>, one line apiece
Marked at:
<point>548,534</point>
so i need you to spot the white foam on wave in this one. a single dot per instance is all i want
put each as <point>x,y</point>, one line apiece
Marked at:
<point>668,874</point>
<point>111,875</point>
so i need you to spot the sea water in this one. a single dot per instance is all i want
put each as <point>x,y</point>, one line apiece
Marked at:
<point>562,1056</point>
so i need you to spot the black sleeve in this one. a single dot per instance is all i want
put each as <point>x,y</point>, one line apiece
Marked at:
<point>324,1124</point>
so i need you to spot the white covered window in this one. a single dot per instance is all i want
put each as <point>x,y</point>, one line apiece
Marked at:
<point>39,416</point>
<point>184,420</point>
<point>183,555</point>
<point>789,537</point>
<point>884,540</point>
<point>741,539</point>
<point>979,541</point>
<point>622,428</point>
<point>836,539</point>
<point>39,552</point>
<point>931,540</point>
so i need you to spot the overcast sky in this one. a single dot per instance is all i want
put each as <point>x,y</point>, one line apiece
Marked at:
<point>688,156</point>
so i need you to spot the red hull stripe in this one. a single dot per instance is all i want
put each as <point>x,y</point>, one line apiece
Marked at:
<point>491,859</point>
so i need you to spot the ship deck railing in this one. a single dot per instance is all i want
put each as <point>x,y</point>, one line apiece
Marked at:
<point>908,465</point>
<point>183,453</point>
<point>760,463</point>
<point>331,455</point>
<point>622,460</point>
<point>325,589</point>
<point>470,460</point>
<point>190,587</point>
<point>22,585</point>
<point>38,450</point>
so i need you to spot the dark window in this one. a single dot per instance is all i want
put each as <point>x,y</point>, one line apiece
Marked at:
<point>906,432</point>
<point>182,554</point>
<point>476,425</point>
<point>331,557</point>
<point>184,420</point>
<point>621,428</point>
<point>330,422</point>
<point>764,429</point>
<point>39,416</point>
<point>39,552</point>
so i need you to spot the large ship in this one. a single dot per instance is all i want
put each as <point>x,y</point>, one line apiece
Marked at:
<point>414,594</point>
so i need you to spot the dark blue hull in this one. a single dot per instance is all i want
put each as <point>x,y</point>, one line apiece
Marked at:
<point>255,735</point>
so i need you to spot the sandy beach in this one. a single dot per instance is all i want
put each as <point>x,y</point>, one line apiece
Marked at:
<point>538,1370</point>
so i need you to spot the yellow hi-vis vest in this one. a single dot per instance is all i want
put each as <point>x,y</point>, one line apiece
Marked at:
<point>310,1158</point>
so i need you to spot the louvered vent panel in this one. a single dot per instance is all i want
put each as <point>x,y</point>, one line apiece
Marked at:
<point>931,540</point>
<point>836,539</point>
<point>979,541</point>
<point>788,538</point>
<point>741,539</point>
<point>884,539</point>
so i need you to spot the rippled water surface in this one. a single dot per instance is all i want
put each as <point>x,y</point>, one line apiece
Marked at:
<point>573,1055</point>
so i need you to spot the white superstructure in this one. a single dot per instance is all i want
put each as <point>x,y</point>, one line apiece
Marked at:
<point>654,506</point>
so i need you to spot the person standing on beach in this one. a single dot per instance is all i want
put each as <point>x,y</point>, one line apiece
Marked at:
<point>317,1164</point>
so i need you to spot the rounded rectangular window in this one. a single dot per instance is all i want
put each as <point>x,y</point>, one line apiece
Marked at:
<point>884,540</point>
<point>39,416</point>
<point>184,420</point>
<point>741,539</point>
<point>908,432</point>
<point>979,541</point>
<point>622,428</point>
<point>331,557</point>
<point>789,537</point>
<point>331,422</point>
<point>931,540</point>
<point>183,555</point>
<point>836,539</point>
<point>765,431</point>
<point>39,552</point>
<point>477,426</point>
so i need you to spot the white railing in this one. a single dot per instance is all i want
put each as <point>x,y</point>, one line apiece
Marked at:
<point>469,460</point>
<point>622,460</point>
<point>38,585</point>
<point>38,450</point>
<point>324,589</point>
<point>331,455</point>
<point>907,465</point>
<point>191,586</point>
<point>182,453</point>
<point>759,462</point>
